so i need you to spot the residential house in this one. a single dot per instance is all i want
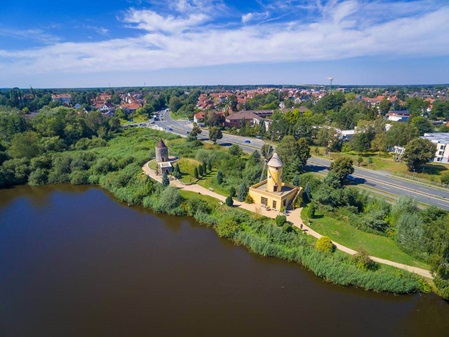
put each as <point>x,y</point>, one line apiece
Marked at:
<point>441,140</point>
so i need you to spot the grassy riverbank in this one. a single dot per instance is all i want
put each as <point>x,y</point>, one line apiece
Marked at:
<point>115,165</point>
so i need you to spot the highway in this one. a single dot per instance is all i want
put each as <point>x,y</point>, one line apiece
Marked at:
<point>384,182</point>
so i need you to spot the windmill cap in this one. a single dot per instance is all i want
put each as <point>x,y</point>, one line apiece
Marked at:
<point>160,144</point>
<point>275,161</point>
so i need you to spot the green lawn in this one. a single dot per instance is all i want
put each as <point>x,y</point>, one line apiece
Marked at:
<point>187,167</point>
<point>209,181</point>
<point>376,245</point>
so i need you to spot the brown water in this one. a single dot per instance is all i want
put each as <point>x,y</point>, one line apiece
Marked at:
<point>75,262</point>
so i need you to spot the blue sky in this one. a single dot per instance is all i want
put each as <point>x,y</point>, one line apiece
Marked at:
<point>82,43</point>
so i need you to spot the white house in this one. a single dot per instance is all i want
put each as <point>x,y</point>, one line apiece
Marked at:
<point>441,140</point>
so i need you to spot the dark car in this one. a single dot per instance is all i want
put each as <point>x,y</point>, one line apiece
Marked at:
<point>247,141</point>
<point>170,129</point>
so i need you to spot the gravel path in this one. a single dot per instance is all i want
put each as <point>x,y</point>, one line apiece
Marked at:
<point>293,216</point>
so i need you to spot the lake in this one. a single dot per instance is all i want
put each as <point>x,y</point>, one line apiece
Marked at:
<point>76,262</point>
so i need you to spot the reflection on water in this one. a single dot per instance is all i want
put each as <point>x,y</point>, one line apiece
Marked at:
<point>75,262</point>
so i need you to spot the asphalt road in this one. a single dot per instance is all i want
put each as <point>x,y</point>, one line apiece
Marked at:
<point>390,184</point>
<point>182,127</point>
<point>382,181</point>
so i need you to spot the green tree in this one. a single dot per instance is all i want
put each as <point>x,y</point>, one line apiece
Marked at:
<point>219,177</point>
<point>24,145</point>
<point>196,173</point>
<point>209,165</point>
<point>361,142</point>
<point>229,202</point>
<point>384,106</point>
<point>342,166</point>
<point>200,170</point>
<point>400,134</point>
<point>235,150</point>
<point>423,125</point>
<point>215,133</point>
<point>243,191</point>
<point>196,130</point>
<point>418,152</point>
<point>165,180</point>
<point>232,191</point>
<point>204,167</point>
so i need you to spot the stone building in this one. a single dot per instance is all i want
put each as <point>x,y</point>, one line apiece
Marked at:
<point>273,193</point>
<point>162,159</point>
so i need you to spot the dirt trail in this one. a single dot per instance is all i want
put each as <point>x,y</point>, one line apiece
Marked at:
<point>293,216</point>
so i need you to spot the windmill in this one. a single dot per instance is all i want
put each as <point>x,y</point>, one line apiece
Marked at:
<point>267,155</point>
<point>330,79</point>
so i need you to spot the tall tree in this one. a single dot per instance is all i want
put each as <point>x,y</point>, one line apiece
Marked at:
<point>418,152</point>
<point>215,133</point>
<point>342,166</point>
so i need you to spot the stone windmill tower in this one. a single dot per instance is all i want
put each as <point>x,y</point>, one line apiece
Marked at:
<point>161,151</point>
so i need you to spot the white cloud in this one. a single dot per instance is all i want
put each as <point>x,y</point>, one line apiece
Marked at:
<point>179,40</point>
<point>30,34</point>
<point>254,16</point>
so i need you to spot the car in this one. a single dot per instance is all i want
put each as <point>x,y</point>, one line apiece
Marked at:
<point>188,132</point>
<point>170,129</point>
<point>259,137</point>
<point>247,141</point>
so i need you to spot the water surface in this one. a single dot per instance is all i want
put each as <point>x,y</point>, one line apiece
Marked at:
<point>75,262</point>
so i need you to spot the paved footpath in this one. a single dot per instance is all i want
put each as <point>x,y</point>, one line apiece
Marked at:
<point>293,216</point>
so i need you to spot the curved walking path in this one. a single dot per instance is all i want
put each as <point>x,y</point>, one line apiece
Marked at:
<point>293,216</point>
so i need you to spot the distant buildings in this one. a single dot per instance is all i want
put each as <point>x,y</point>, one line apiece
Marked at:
<point>64,99</point>
<point>398,116</point>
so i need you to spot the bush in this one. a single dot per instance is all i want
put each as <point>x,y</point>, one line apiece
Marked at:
<point>363,261</point>
<point>249,199</point>
<point>227,229</point>
<point>281,220</point>
<point>311,210</point>
<point>445,179</point>
<point>324,244</point>
<point>229,201</point>
<point>79,178</point>
<point>232,191</point>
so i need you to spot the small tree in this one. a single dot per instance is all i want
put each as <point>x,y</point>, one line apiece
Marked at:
<point>165,180</point>
<point>243,191</point>
<point>296,181</point>
<point>229,201</point>
<point>204,167</point>
<point>311,210</point>
<point>281,220</point>
<point>324,244</point>
<point>232,191</point>
<point>219,177</point>
<point>195,173</point>
<point>195,131</point>
<point>200,170</point>
<point>209,165</point>
<point>215,133</point>
<point>359,160</point>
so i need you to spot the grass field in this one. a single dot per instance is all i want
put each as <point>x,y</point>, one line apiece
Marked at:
<point>376,245</point>
<point>209,181</point>
<point>187,167</point>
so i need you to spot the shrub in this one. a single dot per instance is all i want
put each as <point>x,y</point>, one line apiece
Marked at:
<point>232,191</point>
<point>281,220</point>
<point>79,178</point>
<point>227,229</point>
<point>311,210</point>
<point>324,244</point>
<point>363,261</point>
<point>229,201</point>
<point>219,177</point>
<point>243,191</point>
<point>445,179</point>
<point>249,199</point>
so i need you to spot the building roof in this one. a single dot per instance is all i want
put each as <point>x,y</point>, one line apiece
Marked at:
<point>160,144</point>
<point>275,161</point>
<point>247,115</point>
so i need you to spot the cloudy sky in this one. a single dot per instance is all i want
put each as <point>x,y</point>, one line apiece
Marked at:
<point>65,43</point>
